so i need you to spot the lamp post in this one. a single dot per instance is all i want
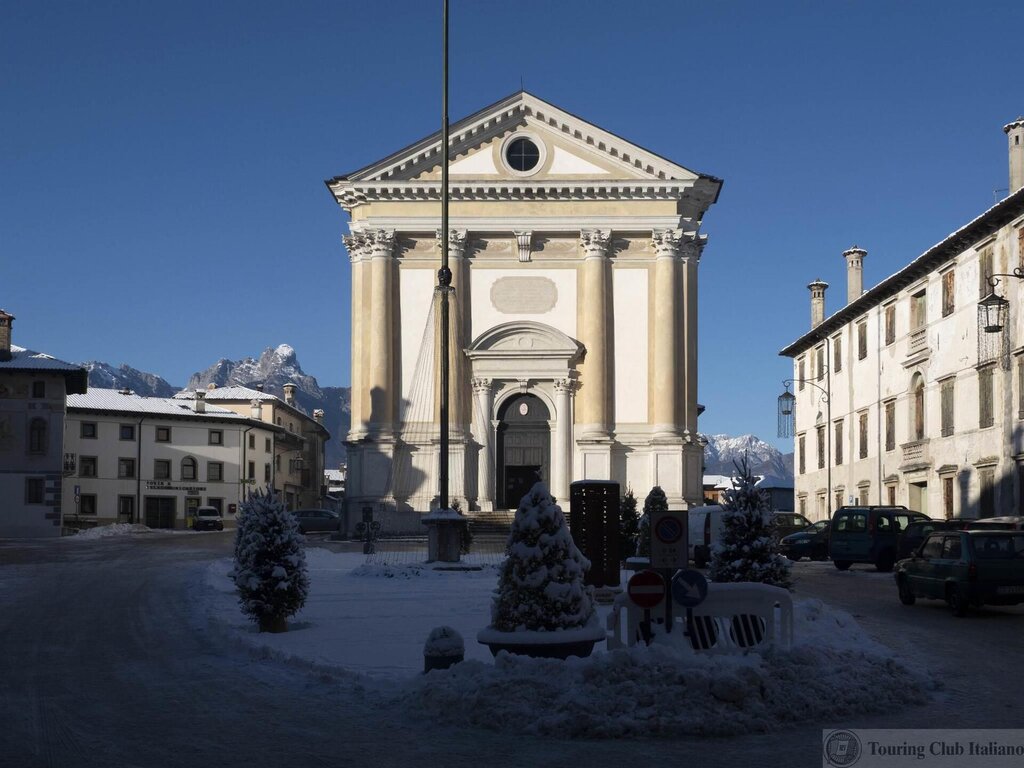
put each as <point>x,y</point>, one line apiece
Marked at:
<point>993,317</point>
<point>787,421</point>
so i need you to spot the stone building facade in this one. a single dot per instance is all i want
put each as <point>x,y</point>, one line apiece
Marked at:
<point>574,256</point>
<point>905,399</point>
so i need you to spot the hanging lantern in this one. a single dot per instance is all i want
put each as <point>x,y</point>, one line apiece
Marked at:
<point>992,311</point>
<point>787,413</point>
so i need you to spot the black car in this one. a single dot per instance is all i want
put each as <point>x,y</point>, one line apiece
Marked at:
<point>812,542</point>
<point>317,520</point>
<point>918,531</point>
<point>868,534</point>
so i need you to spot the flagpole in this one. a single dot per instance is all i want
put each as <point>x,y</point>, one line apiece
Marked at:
<point>444,275</point>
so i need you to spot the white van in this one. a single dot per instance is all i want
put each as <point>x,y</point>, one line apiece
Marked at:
<point>705,528</point>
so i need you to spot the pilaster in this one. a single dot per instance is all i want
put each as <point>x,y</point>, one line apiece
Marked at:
<point>483,393</point>
<point>593,412</point>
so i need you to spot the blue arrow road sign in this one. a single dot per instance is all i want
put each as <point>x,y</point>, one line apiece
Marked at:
<point>689,588</point>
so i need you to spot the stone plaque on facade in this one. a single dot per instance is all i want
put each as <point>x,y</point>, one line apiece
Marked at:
<point>526,295</point>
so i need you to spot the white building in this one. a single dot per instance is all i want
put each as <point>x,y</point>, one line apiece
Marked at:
<point>574,258</point>
<point>32,391</point>
<point>900,397</point>
<point>153,460</point>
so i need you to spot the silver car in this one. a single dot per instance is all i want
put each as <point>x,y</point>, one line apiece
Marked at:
<point>317,520</point>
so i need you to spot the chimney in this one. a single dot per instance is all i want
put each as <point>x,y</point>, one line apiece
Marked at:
<point>817,302</point>
<point>854,273</point>
<point>1015,133</point>
<point>259,387</point>
<point>318,416</point>
<point>6,320</point>
<point>210,387</point>
<point>256,409</point>
<point>289,393</point>
<point>200,401</point>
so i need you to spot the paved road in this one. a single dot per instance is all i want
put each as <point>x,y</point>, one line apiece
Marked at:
<point>103,663</point>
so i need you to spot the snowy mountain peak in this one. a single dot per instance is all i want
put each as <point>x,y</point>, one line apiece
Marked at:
<point>285,352</point>
<point>106,376</point>
<point>764,459</point>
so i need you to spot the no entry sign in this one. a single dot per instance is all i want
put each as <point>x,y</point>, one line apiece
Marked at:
<point>668,540</point>
<point>646,589</point>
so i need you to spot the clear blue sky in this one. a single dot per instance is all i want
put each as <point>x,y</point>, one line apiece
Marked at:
<point>161,165</point>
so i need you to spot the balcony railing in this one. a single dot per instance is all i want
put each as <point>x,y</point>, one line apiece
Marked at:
<point>918,341</point>
<point>916,452</point>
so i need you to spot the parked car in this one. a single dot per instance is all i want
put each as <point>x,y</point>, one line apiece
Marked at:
<point>868,535</point>
<point>790,522</point>
<point>910,540</point>
<point>208,519</point>
<point>965,568</point>
<point>811,542</point>
<point>317,520</point>
<point>995,524</point>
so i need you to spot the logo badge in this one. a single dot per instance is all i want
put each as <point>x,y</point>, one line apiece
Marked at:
<point>842,748</point>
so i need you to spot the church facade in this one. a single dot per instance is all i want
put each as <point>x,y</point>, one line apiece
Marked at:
<point>574,256</point>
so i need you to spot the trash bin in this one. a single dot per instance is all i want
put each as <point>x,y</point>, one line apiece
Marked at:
<point>594,524</point>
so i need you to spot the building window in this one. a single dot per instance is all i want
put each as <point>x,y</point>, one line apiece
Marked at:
<point>35,490</point>
<point>277,463</point>
<point>163,434</point>
<point>862,340</point>
<point>87,504</point>
<point>37,436</point>
<point>189,468</point>
<point>821,447</point>
<point>217,504</point>
<point>801,374</point>
<point>918,310</point>
<point>985,410</point>
<point>947,407</point>
<point>917,400</point>
<point>890,492</point>
<point>214,471</point>
<point>87,430</point>
<point>890,426</point>
<point>819,363</point>
<point>802,508</point>
<point>126,509</point>
<point>838,450</point>
<point>162,469</point>
<point>266,445</point>
<point>862,428</point>
<point>890,324</point>
<point>988,493</point>
<point>252,470</point>
<point>948,293</point>
<point>985,271</point>
<point>947,497</point>
<point>266,472</point>
<point>125,467</point>
<point>837,354</point>
<point>522,154</point>
<point>216,437</point>
<point>802,453</point>
<point>38,389</point>
<point>127,432</point>
<point>252,442</point>
<point>87,466</point>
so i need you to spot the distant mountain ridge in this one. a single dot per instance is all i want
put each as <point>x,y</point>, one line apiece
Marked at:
<point>106,376</point>
<point>765,459</point>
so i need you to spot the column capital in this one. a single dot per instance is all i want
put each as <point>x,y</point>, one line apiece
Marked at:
<point>672,243</point>
<point>565,386</point>
<point>482,386</point>
<point>594,243</point>
<point>456,242</point>
<point>381,243</point>
<point>356,246</point>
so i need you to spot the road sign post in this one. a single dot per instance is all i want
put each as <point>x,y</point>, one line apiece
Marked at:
<point>689,589</point>
<point>645,590</point>
<point>669,543</point>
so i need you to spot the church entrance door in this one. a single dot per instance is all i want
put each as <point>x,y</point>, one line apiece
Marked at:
<point>523,450</point>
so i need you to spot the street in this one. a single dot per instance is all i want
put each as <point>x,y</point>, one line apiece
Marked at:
<point>103,663</point>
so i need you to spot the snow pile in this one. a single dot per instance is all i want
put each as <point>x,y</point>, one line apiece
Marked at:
<point>115,529</point>
<point>667,690</point>
<point>444,641</point>
<point>415,570</point>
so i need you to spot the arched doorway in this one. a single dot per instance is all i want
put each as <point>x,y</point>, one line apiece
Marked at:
<point>524,448</point>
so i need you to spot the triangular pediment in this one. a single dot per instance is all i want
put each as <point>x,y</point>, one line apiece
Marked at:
<point>570,149</point>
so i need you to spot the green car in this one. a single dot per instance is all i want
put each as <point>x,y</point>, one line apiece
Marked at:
<point>965,568</point>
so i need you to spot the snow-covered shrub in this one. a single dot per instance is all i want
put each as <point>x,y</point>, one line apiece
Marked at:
<point>656,501</point>
<point>629,525</point>
<point>270,562</point>
<point>749,547</point>
<point>541,583</point>
<point>444,641</point>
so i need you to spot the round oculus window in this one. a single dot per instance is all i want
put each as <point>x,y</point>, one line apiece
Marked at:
<point>522,154</point>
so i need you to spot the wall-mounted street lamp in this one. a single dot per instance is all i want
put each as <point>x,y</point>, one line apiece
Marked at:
<point>787,421</point>
<point>993,317</point>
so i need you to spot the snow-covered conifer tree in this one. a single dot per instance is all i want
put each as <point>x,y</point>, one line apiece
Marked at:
<point>629,525</point>
<point>541,583</point>
<point>270,562</point>
<point>749,547</point>
<point>656,501</point>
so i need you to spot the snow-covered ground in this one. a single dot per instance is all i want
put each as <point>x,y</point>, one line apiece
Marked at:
<point>374,619</point>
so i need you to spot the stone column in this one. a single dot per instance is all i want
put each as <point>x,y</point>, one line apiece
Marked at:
<point>356,246</point>
<point>459,401</point>
<point>593,415</point>
<point>666,322</point>
<point>381,328</point>
<point>483,393</point>
<point>690,253</point>
<point>561,453</point>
